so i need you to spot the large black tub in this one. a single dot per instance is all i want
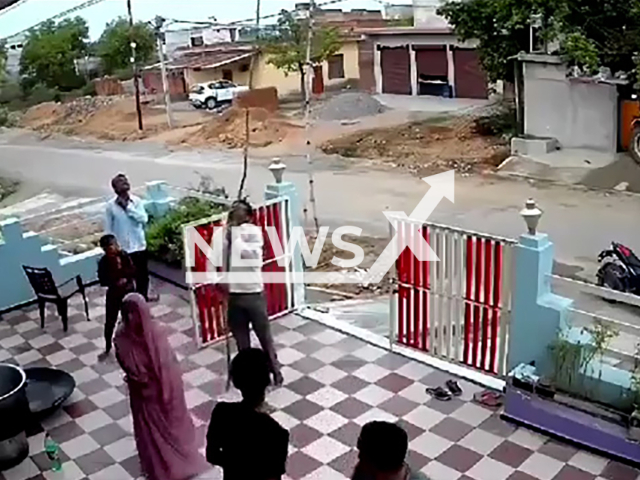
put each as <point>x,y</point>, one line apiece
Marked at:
<point>47,389</point>
<point>14,412</point>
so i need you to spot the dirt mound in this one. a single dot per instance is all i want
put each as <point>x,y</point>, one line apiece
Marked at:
<point>229,129</point>
<point>106,118</point>
<point>425,147</point>
<point>60,117</point>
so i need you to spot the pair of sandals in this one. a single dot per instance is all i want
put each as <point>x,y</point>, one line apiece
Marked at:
<point>444,395</point>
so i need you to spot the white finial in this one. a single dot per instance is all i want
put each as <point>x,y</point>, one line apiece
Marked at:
<point>277,169</point>
<point>531,214</point>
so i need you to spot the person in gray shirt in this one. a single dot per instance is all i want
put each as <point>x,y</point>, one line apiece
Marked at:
<point>382,450</point>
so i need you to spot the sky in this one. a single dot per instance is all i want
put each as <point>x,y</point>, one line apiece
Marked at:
<point>33,11</point>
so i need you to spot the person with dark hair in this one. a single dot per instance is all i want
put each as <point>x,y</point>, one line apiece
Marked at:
<point>382,450</point>
<point>163,428</point>
<point>117,273</point>
<point>247,306</point>
<point>126,219</point>
<point>242,439</point>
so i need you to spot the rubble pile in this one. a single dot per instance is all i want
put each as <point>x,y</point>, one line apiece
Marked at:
<point>425,147</point>
<point>349,106</point>
<point>59,116</point>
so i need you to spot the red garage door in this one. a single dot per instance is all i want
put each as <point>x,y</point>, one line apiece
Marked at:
<point>471,81</point>
<point>396,76</point>
<point>432,60</point>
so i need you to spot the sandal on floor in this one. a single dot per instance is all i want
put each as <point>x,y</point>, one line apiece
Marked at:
<point>454,388</point>
<point>489,398</point>
<point>439,393</point>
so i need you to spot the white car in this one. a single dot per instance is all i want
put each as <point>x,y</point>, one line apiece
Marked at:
<point>210,95</point>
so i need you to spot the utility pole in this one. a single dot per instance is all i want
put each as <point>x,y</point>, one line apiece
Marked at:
<point>247,113</point>
<point>163,69</point>
<point>134,63</point>
<point>307,115</point>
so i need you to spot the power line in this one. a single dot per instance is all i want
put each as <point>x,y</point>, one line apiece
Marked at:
<point>274,15</point>
<point>77,8</point>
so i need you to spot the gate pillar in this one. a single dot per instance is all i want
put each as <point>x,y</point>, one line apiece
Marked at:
<point>287,190</point>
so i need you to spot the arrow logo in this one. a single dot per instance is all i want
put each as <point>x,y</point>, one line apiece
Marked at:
<point>442,186</point>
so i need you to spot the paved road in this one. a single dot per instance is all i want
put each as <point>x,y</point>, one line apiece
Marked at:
<point>580,222</point>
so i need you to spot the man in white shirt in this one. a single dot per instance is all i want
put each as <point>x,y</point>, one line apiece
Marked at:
<point>247,304</point>
<point>126,219</point>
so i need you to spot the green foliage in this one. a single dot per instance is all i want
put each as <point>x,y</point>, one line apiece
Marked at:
<point>572,359</point>
<point>42,93</point>
<point>579,51</point>
<point>286,47</point>
<point>49,53</point>
<point>89,90</point>
<point>501,121</point>
<point>164,235</point>
<point>4,117</point>
<point>9,91</point>
<point>114,46</point>
<point>612,28</point>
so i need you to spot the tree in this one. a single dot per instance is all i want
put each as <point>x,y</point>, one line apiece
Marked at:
<point>502,28</point>
<point>286,46</point>
<point>114,45</point>
<point>49,53</point>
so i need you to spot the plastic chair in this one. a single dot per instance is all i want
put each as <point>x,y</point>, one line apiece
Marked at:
<point>47,291</point>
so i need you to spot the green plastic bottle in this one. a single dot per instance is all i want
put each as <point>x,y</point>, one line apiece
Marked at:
<point>52,450</point>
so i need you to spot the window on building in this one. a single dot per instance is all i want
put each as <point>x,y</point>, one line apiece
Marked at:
<point>227,75</point>
<point>244,67</point>
<point>336,66</point>
<point>197,41</point>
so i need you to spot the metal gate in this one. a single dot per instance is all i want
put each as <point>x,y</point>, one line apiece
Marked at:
<point>457,308</point>
<point>209,305</point>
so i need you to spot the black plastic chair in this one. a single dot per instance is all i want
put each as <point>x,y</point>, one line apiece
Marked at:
<point>47,291</point>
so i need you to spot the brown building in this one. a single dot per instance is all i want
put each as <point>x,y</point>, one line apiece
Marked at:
<point>420,61</point>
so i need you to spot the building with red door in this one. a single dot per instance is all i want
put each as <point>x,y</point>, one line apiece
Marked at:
<point>426,59</point>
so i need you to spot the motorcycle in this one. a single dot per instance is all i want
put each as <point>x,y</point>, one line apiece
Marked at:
<point>619,269</point>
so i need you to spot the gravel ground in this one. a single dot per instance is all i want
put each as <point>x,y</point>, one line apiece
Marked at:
<point>348,106</point>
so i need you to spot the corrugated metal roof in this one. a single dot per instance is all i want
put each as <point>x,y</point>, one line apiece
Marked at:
<point>211,56</point>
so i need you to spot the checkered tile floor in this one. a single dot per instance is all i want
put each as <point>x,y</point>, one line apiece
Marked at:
<point>334,385</point>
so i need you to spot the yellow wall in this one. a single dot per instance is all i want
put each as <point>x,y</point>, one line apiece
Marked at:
<point>351,63</point>
<point>266,75</point>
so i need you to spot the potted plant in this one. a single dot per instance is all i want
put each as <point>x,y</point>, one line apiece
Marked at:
<point>634,418</point>
<point>164,237</point>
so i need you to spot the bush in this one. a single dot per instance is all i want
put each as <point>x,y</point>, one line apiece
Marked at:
<point>89,90</point>
<point>41,94</point>
<point>164,235</point>
<point>500,122</point>
<point>9,92</point>
<point>4,117</point>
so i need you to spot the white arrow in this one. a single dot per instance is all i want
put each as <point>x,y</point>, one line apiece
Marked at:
<point>442,186</point>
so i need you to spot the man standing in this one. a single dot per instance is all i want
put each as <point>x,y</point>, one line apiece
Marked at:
<point>126,220</point>
<point>247,305</point>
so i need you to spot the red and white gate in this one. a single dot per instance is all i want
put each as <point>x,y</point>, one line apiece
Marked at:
<point>209,305</point>
<point>457,308</point>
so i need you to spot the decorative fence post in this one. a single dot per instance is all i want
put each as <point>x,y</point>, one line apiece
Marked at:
<point>158,201</point>
<point>537,313</point>
<point>282,189</point>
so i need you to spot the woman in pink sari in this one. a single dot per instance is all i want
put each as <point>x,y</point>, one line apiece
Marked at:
<point>163,427</point>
